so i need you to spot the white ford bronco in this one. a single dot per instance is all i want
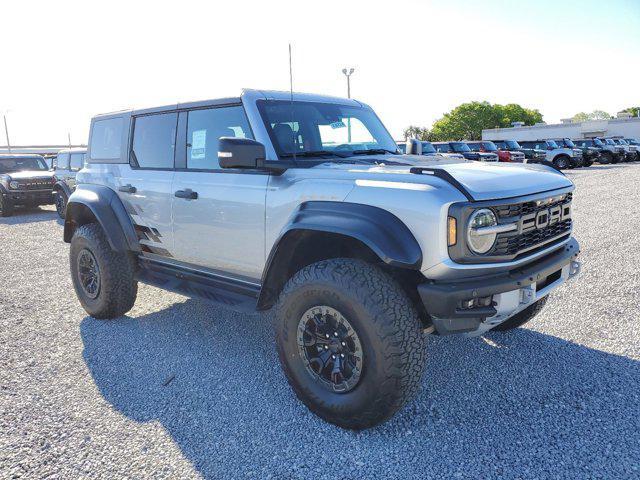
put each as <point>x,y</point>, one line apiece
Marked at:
<point>302,204</point>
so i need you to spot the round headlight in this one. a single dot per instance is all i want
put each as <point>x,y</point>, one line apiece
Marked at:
<point>13,184</point>
<point>479,239</point>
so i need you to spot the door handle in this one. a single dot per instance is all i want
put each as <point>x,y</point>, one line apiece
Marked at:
<point>187,194</point>
<point>128,188</point>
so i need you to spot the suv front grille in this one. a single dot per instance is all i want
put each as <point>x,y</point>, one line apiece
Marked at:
<point>526,208</point>
<point>35,184</point>
<point>538,223</point>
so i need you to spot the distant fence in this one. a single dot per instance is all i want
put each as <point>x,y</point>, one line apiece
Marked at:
<point>40,149</point>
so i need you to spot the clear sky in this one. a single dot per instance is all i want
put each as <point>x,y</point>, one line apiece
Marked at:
<point>62,62</point>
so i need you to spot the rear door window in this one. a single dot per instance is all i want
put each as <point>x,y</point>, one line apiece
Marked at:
<point>154,141</point>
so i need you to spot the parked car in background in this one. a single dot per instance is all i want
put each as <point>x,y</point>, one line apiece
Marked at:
<point>561,157</point>
<point>443,149</point>
<point>594,150</point>
<point>463,149</point>
<point>630,151</point>
<point>608,153</point>
<point>531,155</point>
<point>619,149</point>
<point>70,161</point>
<point>429,150</point>
<point>635,143</point>
<point>485,146</point>
<point>25,181</point>
<point>581,160</point>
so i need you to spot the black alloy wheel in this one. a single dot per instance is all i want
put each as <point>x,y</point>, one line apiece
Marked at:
<point>89,273</point>
<point>330,348</point>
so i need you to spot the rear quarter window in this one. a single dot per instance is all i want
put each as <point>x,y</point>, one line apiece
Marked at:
<point>106,139</point>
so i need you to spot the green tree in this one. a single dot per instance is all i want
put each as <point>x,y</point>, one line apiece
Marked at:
<point>466,121</point>
<point>635,111</point>
<point>412,131</point>
<point>595,115</point>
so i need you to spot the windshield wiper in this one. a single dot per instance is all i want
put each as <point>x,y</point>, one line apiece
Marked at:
<point>313,153</point>
<point>373,151</point>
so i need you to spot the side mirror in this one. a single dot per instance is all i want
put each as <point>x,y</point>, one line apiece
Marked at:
<point>240,153</point>
<point>414,147</point>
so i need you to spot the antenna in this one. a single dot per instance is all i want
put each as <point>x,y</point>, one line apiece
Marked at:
<point>290,74</point>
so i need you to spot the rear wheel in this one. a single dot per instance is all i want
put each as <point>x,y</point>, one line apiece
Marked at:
<point>523,317</point>
<point>349,341</point>
<point>102,278</point>
<point>6,207</point>
<point>61,203</point>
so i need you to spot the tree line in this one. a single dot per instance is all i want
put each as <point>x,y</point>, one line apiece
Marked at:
<point>466,121</point>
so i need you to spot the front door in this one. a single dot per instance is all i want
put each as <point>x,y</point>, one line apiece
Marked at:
<point>218,214</point>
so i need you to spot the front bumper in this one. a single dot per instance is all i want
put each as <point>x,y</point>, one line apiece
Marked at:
<point>509,292</point>
<point>29,197</point>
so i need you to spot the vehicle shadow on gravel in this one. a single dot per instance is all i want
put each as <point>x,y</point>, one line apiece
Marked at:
<point>517,404</point>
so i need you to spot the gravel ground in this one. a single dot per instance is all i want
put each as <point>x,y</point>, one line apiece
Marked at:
<point>183,389</point>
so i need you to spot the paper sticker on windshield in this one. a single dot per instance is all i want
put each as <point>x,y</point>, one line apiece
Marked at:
<point>198,144</point>
<point>335,125</point>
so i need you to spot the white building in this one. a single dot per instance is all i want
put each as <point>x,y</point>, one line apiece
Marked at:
<point>624,125</point>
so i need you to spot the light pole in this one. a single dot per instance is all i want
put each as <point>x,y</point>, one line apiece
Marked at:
<point>6,131</point>
<point>347,73</point>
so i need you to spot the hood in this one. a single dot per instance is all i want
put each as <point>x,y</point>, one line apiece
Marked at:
<point>30,174</point>
<point>482,180</point>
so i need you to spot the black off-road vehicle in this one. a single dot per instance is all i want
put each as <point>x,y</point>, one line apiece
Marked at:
<point>25,180</point>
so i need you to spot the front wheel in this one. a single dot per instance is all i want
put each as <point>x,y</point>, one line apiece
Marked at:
<point>562,162</point>
<point>102,278</point>
<point>61,203</point>
<point>349,341</point>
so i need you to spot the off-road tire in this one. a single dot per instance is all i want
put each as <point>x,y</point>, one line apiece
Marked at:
<point>386,323</point>
<point>6,207</point>
<point>118,287</point>
<point>523,317</point>
<point>562,162</point>
<point>61,203</point>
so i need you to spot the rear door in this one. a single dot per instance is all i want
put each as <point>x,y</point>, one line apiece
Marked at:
<point>218,214</point>
<point>145,187</point>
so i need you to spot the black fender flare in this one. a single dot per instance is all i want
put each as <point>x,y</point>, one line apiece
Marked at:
<point>107,208</point>
<point>379,230</point>
<point>60,185</point>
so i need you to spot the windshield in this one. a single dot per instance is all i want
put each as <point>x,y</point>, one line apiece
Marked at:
<point>569,143</point>
<point>17,164</point>
<point>552,143</point>
<point>597,142</point>
<point>442,148</point>
<point>631,141</point>
<point>622,142</point>
<point>460,147</point>
<point>318,129</point>
<point>428,148</point>
<point>608,141</point>
<point>489,147</point>
<point>512,145</point>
